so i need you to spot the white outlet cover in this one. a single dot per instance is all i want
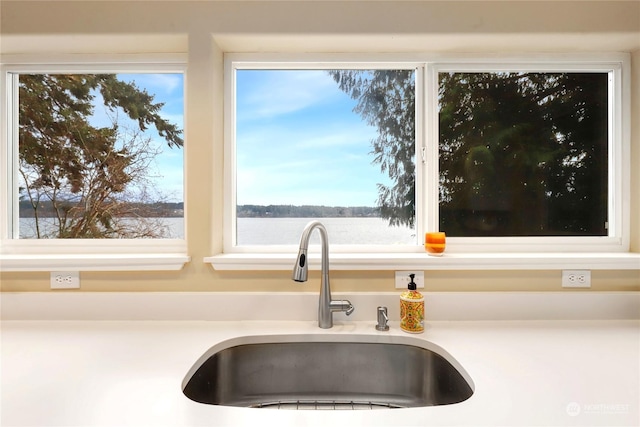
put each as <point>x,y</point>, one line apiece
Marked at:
<point>403,279</point>
<point>576,278</point>
<point>65,280</point>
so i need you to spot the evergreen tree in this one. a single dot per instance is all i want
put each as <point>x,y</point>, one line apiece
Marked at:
<point>386,100</point>
<point>519,153</point>
<point>87,172</point>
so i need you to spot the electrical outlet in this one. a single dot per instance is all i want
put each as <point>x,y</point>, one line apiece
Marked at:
<point>576,278</point>
<point>65,280</point>
<point>403,279</point>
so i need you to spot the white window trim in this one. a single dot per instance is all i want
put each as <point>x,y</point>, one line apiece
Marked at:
<point>238,62</point>
<point>619,153</point>
<point>77,254</point>
<point>610,252</point>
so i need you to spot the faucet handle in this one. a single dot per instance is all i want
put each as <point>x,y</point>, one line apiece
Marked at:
<point>341,305</point>
<point>383,319</point>
<point>350,308</point>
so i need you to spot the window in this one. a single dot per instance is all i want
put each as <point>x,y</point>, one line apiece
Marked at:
<point>306,148</point>
<point>523,154</point>
<point>530,155</point>
<point>95,155</point>
<point>512,156</point>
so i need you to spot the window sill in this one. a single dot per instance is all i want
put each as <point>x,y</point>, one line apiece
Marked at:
<point>421,261</point>
<point>94,262</point>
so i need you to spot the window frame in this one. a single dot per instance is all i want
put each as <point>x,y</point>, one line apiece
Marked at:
<point>235,62</point>
<point>617,68</point>
<point>76,254</point>
<point>475,253</point>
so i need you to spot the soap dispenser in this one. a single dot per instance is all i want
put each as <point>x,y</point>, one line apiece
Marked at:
<point>412,309</point>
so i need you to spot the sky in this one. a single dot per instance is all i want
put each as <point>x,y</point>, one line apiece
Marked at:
<point>299,142</point>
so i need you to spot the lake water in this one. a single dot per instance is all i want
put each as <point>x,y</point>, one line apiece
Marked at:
<point>351,231</point>
<point>286,231</point>
<point>174,227</point>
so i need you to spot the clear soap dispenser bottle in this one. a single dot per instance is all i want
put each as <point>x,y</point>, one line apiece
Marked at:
<point>412,309</point>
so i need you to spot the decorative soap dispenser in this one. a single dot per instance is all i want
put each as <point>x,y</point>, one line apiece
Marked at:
<point>412,309</point>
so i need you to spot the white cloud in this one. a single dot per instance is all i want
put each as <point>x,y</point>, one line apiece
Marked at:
<point>283,92</point>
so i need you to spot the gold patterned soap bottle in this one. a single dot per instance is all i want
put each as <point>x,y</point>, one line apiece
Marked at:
<point>412,309</point>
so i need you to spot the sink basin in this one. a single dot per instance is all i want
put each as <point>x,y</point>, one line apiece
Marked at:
<point>327,372</point>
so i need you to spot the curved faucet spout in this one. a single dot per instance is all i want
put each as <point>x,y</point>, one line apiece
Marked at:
<point>326,306</point>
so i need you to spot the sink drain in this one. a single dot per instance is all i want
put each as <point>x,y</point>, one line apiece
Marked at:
<point>325,404</point>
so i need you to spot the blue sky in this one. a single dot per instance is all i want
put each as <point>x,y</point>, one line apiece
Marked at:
<point>299,142</point>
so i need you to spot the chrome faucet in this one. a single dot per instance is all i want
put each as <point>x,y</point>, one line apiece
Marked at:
<point>326,306</point>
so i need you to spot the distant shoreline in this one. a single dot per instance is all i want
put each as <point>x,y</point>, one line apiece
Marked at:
<point>306,211</point>
<point>176,210</point>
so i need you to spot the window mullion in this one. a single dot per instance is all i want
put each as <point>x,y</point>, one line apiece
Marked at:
<point>8,157</point>
<point>430,175</point>
<point>230,212</point>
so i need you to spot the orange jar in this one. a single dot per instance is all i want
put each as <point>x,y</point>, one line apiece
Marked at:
<point>435,243</point>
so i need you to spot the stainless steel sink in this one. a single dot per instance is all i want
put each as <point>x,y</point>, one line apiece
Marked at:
<point>327,372</point>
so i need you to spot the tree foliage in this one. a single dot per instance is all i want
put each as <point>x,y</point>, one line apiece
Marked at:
<point>88,173</point>
<point>519,153</point>
<point>523,153</point>
<point>386,100</point>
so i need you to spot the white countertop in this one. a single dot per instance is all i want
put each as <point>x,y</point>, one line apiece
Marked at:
<point>129,373</point>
